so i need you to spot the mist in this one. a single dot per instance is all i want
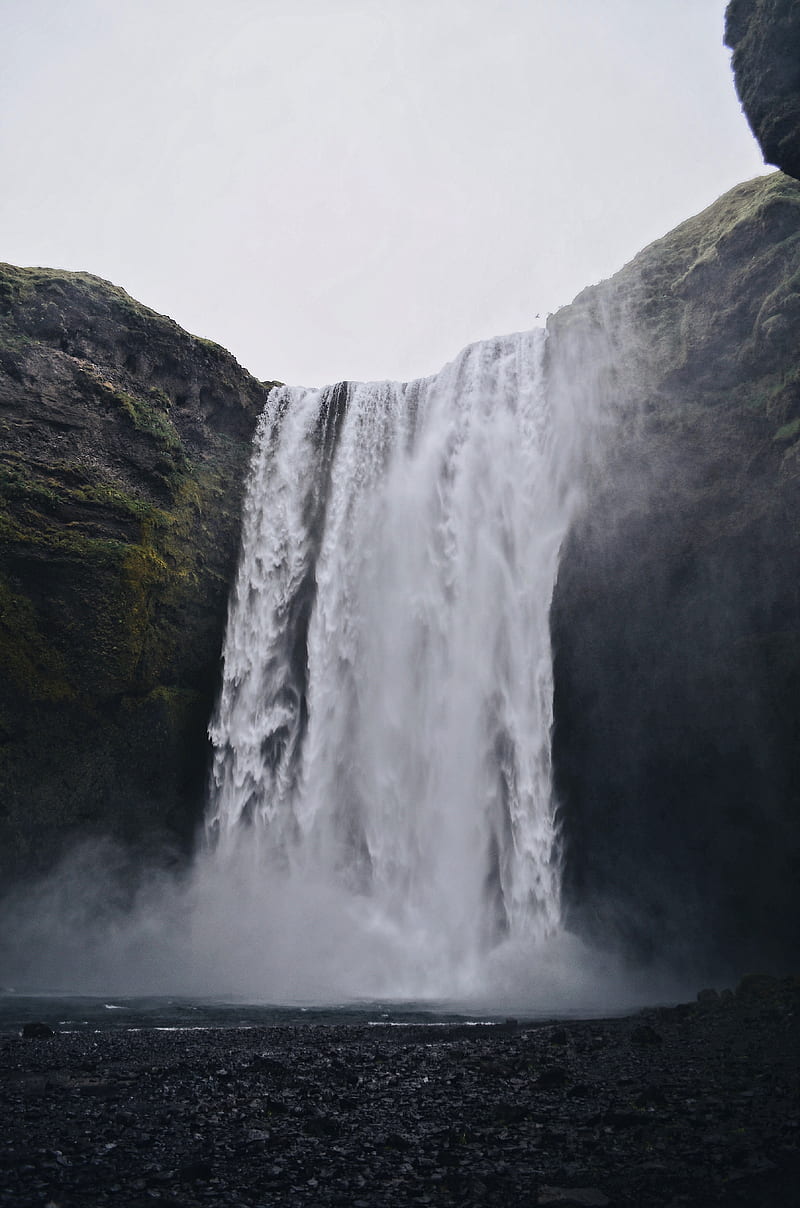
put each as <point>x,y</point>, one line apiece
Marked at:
<point>223,931</point>
<point>381,823</point>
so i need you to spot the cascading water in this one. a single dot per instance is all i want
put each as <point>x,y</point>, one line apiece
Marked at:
<point>384,722</point>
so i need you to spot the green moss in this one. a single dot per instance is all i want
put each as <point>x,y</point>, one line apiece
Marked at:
<point>116,550</point>
<point>788,431</point>
<point>16,482</point>
<point>55,487</point>
<point>174,706</point>
<point>212,346</point>
<point>136,591</point>
<point>19,286</point>
<point>27,659</point>
<point>149,419</point>
<point>118,501</point>
<point>38,536</point>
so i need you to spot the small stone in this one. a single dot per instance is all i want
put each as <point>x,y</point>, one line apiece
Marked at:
<point>510,1113</point>
<point>618,1118</point>
<point>36,1031</point>
<point>573,1197</point>
<point>195,1172</point>
<point>644,1035</point>
<point>757,986</point>
<point>651,1096</point>
<point>319,1125</point>
<point>552,1079</point>
<point>257,1134</point>
<point>396,1140</point>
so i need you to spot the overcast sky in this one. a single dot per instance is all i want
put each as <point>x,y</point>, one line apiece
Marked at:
<point>358,188</point>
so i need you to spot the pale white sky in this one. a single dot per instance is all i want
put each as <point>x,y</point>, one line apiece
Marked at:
<point>358,188</point>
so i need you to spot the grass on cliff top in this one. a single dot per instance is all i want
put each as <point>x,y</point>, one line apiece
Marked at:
<point>699,240</point>
<point>20,285</point>
<point>20,288</point>
<point>699,335</point>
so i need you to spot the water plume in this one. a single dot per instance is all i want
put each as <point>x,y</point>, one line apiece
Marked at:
<point>384,723</point>
<point>381,822</point>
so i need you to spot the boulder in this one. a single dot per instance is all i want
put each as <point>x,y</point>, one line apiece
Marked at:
<point>764,36</point>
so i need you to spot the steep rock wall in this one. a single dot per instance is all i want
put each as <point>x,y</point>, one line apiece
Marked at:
<point>764,36</point>
<point>676,620</point>
<point>123,448</point>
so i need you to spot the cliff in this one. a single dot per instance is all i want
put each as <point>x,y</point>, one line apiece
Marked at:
<point>124,443</point>
<point>676,620</point>
<point>764,36</point>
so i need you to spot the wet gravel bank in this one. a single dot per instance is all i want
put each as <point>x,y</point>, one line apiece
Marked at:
<point>690,1106</point>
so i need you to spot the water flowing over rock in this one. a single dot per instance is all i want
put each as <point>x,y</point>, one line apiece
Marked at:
<point>386,706</point>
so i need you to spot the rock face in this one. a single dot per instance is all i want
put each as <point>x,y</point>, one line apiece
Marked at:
<point>764,36</point>
<point>676,620</point>
<point>123,448</point>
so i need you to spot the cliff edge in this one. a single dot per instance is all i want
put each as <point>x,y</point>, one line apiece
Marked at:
<point>764,36</point>
<point>124,443</point>
<point>676,619</point>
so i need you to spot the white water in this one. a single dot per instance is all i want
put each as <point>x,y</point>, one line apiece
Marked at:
<point>382,825</point>
<point>382,744</point>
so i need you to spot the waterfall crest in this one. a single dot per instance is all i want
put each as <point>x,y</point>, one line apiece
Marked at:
<point>385,715</point>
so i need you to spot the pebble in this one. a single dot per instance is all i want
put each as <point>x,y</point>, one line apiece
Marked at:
<point>347,1116</point>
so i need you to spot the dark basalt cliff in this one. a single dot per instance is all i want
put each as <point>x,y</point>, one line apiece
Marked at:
<point>123,448</point>
<point>764,36</point>
<point>676,620</point>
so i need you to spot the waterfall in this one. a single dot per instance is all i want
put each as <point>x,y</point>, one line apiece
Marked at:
<point>384,720</point>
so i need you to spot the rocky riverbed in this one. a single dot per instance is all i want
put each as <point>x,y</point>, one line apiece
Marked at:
<point>693,1105</point>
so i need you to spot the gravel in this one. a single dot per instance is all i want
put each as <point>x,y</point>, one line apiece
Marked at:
<point>685,1107</point>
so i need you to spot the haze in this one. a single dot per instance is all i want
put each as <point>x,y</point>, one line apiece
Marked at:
<point>359,188</point>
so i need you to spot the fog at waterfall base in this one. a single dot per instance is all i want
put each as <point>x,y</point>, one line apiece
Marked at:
<point>381,812</point>
<point>206,934</point>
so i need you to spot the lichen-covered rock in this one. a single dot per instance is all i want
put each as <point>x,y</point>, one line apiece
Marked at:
<point>764,36</point>
<point>123,447</point>
<point>676,619</point>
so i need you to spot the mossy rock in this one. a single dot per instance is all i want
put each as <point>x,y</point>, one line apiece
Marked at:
<point>125,443</point>
<point>676,617</point>
<point>764,36</point>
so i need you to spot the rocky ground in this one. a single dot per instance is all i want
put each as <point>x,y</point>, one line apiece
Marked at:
<point>694,1105</point>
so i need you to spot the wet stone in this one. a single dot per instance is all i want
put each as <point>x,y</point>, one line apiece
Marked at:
<point>552,1079</point>
<point>645,1036</point>
<point>573,1197</point>
<point>36,1031</point>
<point>259,1117</point>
